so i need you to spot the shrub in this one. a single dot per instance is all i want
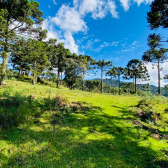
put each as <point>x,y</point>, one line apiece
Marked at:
<point>15,109</point>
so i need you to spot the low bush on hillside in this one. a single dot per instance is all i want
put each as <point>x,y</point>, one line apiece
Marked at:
<point>17,109</point>
<point>152,109</point>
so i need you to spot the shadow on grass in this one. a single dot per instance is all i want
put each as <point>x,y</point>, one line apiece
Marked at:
<point>85,136</point>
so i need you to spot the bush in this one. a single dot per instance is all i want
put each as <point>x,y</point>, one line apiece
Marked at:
<point>15,109</point>
<point>44,82</point>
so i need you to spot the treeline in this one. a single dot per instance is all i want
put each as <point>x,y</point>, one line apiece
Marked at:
<point>23,44</point>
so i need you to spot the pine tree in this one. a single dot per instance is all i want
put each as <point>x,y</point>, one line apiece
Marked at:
<point>15,16</point>
<point>136,69</point>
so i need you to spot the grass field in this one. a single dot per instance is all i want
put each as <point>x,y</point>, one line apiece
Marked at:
<point>90,131</point>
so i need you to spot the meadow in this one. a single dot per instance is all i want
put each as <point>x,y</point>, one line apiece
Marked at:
<point>63,128</point>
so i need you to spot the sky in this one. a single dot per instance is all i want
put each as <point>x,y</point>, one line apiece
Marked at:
<point>114,30</point>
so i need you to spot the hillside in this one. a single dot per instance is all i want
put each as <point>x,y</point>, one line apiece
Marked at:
<point>153,88</point>
<point>69,128</point>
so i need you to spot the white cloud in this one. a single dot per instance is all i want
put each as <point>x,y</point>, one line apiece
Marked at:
<point>125,4</point>
<point>87,6</point>
<point>112,9</point>
<point>105,44</point>
<point>65,37</point>
<point>142,1</point>
<point>98,8</point>
<point>75,4</point>
<point>154,74</point>
<point>96,40</point>
<point>69,19</point>
<point>70,42</point>
<point>54,2</point>
<point>135,42</point>
<point>115,43</point>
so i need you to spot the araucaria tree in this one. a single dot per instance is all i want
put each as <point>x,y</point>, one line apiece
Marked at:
<point>37,57</point>
<point>136,69</point>
<point>15,15</point>
<point>156,54</point>
<point>86,66</point>
<point>73,71</point>
<point>102,65</point>
<point>117,72</point>
<point>158,15</point>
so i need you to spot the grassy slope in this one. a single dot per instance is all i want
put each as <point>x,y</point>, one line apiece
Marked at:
<point>102,136</point>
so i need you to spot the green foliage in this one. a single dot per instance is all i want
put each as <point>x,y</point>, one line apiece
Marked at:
<point>74,125</point>
<point>14,109</point>
<point>158,15</point>
<point>93,86</point>
<point>127,88</point>
<point>156,54</point>
<point>25,13</point>
<point>136,69</point>
<point>73,72</point>
<point>117,72</point>
<point>102,65</point>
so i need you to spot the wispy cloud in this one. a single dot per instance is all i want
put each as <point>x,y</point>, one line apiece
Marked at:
<point>70,20</point>
<point>105,44</point>
<point>135,42</point>
<point>96,40</point>
<point>153,74</point>
<point>54,2</point>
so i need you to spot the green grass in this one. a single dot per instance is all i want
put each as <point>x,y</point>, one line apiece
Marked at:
<point>99,134</point>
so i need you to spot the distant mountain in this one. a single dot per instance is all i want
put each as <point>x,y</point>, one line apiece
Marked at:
<point>153,88</point>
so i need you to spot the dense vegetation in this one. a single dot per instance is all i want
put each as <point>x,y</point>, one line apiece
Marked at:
<point>71,128</point>
<point>50,116</point>
<point>143,87</point>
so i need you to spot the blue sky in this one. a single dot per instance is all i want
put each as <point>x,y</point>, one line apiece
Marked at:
<point>115,30</point>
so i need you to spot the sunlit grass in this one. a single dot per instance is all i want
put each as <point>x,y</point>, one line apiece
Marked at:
<point>101,135</point>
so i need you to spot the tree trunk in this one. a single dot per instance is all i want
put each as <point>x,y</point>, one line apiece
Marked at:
<point>4,68</point>
<point>135,84</point>
<point>83,82</point>
<point>34,79</point>
<point>58,77</point>
<point>159,77</point>
<point>111,81</point>
<point>118,82</point>
<point>61,78</point>
<point>101,80</point>
<point>34,74</point>
<point>5,56</point>
<point>28,73</point>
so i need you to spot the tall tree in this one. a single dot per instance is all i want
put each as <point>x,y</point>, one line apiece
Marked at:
<point>156,55</point>
<point>136,69</point>
<point>87,60</point>
<point>19,57</point>
<point>117,72</point>
<point>102,65</point>
<point>73,71</point>
<point>158,15</point>
<point>58,58</point>
<point>37,57</point>
<point>17,15</point>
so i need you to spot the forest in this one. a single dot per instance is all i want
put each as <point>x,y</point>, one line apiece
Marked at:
<point>51,116</point>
